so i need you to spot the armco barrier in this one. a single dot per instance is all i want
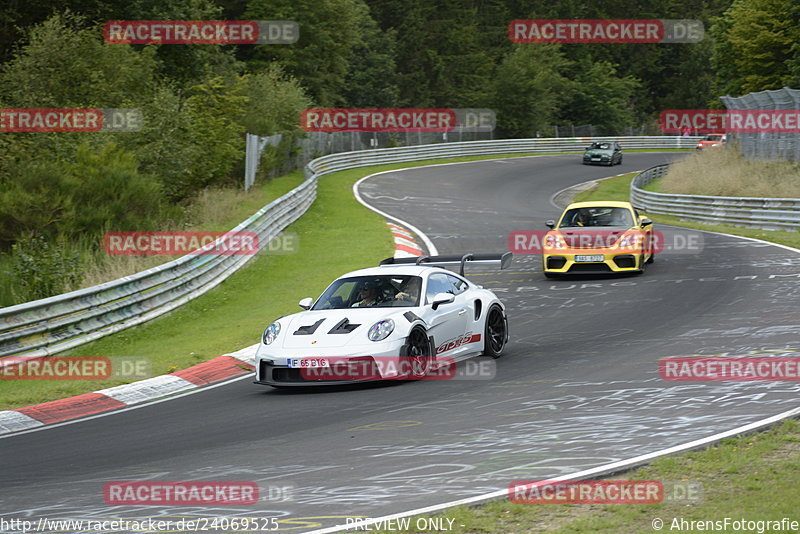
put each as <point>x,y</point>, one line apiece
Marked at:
<point>61,322</point>
<point>753,212</point>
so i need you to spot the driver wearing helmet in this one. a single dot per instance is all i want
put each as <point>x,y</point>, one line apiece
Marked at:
<point>368,295</point>
<point>584,218</point>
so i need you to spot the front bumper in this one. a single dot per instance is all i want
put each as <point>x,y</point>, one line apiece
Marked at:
<point>370,363</point>
<point>564,263</point>
<point>603,160</point>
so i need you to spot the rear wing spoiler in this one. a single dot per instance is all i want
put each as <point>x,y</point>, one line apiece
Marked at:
<point>503,260</point>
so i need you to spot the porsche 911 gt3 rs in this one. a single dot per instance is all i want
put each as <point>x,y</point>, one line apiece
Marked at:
<point>400,320</point>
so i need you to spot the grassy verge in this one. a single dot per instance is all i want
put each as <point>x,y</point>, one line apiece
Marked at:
<point>750,477</point>
<point>727,172</point>
<point>618,188</point>
<point>211,210</point>
<point>336,235</point>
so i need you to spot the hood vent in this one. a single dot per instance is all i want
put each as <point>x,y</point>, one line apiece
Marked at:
<point>343,327</point>
<point>308,330</point>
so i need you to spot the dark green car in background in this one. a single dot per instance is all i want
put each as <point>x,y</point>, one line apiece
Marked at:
<point>603,153</point>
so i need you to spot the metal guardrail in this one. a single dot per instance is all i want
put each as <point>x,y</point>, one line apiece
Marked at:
<point>346,160</point>
<point>753,212</point>
<point>55,324</point>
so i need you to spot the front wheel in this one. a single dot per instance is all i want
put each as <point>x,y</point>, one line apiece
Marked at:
<point>495,332</point>
<point>418,358</point>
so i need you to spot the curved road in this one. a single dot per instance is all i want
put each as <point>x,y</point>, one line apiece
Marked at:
<point>578,386</point>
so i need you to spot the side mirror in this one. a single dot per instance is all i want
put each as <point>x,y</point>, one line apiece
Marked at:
<point>646,222</point>
<point>550,224</point>
<point>442,298</point>
<point>306,303</point>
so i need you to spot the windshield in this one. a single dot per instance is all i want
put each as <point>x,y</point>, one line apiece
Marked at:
<point>597,216</point>
<point>371,292</point>
<point>713,138</point>
<point>600,146</point>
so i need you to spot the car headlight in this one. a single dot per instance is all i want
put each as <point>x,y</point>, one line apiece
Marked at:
<point>632,240</point>
<point>271,333</point>
<point>381,330</point>
<point>554,241</point>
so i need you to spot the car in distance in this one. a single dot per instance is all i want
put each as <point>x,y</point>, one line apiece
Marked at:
<point>399,320</point>
<point>603,153</point>
<point>712,141</point>
<point>598,237</point>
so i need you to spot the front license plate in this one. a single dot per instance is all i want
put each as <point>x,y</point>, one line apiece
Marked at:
<point>308,363</point>
<point>595,158</point>
<point>597,257</point>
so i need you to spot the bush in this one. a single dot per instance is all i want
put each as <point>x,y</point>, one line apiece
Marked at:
<point>41,269</point>
<point>36,198</point>
<point>111,193</point>
<point>274,103</point>
<point>101,190</point>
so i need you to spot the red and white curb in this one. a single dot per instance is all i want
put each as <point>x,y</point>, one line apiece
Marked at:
<point>213,371</point>
<point>405,245</point>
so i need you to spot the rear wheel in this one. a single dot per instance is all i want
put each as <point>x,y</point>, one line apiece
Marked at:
<point>495,332</point>
<point>417,362</point>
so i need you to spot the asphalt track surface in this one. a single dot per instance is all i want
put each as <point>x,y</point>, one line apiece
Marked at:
<point>578,386</point>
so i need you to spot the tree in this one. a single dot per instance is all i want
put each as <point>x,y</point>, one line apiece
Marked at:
<point>371,81</point>
<point>64,65</point>
<point>597,95</point>
<point>330,32</point>
<point>441,57</point>
<point>274,102</point>
<point>756,45</point>
<point>528,89</point>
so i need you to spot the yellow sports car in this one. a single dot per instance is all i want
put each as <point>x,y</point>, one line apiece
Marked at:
<point>598,237</point>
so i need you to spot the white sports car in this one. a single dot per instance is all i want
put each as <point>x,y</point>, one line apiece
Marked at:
<point>400,320</point>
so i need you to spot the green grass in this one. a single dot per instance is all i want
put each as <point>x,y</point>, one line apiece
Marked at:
<point>618,188</point>
<point>749,477</point>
